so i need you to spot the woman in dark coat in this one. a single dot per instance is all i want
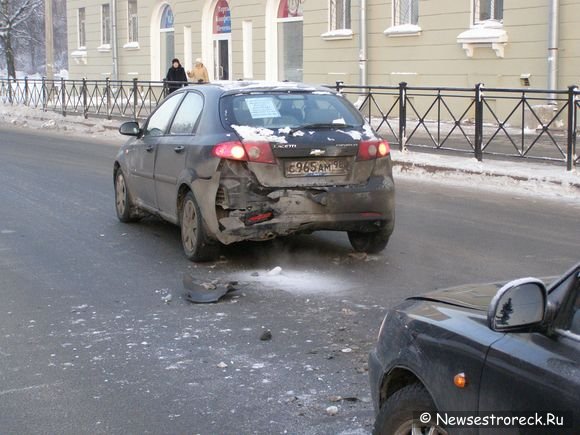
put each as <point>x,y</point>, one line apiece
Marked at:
<point>176,76</point>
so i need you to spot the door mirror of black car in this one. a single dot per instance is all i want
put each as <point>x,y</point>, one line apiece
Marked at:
<point>130,129</point>
<point>519,305</point>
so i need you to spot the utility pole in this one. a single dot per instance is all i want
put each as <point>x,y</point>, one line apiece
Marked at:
<point>49,39</point>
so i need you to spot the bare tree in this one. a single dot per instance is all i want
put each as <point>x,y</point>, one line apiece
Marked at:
<point>15,16</point>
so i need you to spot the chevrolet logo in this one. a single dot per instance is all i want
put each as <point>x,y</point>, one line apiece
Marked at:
<point>317,152</point>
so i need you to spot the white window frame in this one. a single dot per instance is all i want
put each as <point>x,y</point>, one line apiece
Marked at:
<point>477,12</point>
<point>132,26</point>
<point>339,30</point>
<point>105,28</point>
<point>403,29</point>
<point>82,30</point>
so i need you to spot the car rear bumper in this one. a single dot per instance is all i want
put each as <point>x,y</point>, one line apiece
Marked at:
<point>364,208</point>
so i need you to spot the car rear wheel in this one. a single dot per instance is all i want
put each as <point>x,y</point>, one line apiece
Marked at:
<point>126,210</point>
<point>371,242</point>
<point>196,244</point>
<point>403,413</point>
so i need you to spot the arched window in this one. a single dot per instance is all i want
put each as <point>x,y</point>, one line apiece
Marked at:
<point>222,30</point>
<point>167,39</point>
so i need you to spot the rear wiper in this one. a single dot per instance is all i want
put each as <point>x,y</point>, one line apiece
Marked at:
<point>319,126</point>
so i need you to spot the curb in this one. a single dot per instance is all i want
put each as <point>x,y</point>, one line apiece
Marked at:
<point>433,169</point>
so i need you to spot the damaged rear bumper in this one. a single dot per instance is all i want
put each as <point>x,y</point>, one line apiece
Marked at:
<point>238,208</point>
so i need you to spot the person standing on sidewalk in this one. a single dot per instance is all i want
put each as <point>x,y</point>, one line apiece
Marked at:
<point>176,77</point>
<point>199,72</point>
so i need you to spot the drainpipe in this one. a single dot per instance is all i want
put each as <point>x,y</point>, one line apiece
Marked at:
<point>363,43</point>
<point>553,41</point>
<point>114,41</point>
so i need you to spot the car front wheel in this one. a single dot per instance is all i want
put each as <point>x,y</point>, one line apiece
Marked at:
<point>405,412</point>
<point>126,211</point>
<point>371,242</point>
<point>196,244</point>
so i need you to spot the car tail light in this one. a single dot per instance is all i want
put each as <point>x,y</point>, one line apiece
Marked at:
<point>373,149</point>
<point>230,150</point>
<point>258,152</point>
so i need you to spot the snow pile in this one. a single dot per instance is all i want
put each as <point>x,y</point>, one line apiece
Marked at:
<point>516,177</point>
<point>36,119</point>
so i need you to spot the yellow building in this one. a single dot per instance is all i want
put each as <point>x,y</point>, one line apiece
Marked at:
<point>379,42</point>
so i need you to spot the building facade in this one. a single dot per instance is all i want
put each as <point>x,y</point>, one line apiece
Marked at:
<point>380,42</point>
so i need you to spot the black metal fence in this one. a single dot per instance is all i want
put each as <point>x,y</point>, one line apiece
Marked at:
<point>100,98</point>
<point>522,123</point>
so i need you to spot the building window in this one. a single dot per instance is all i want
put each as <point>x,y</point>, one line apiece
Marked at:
<point>405,19</point>
<point>106,24</point>
<point>405,12</point>
<point>133,21</point>
<point>82,29</point>
<point>339,14</point>
<point>487,10</point>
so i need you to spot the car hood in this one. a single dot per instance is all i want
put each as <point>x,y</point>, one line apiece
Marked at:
<point>472,296</point>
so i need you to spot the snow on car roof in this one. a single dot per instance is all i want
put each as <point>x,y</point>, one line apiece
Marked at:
<point>258,85</point>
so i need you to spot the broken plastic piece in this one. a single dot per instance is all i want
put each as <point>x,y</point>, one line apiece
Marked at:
<point>198,293</point>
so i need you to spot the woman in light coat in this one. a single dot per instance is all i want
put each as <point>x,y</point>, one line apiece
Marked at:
<point>199,72</point>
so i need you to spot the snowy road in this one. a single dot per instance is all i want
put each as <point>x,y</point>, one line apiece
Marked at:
<point>88,343</point>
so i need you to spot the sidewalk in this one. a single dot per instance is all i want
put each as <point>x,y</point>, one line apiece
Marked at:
<point>521,176</point>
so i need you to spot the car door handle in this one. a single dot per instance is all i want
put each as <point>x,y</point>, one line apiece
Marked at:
<point>179,149</point>
<point>149,148</point>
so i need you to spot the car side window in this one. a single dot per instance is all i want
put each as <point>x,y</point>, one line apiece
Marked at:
<point>187,114</point>
<point>575,323</point>
<point>159,121</point>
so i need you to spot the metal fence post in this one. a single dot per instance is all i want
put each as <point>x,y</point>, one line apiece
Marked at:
<point>135,98</point>
<point>63,96</point>
<point>402,116</point>
<point>571,148</point>
<point>26,91</point>
<point>479,122</point>
<point>44,96</point>
<point>339,84</point>
<point>108,96</point>
<point>85,99</point>
<point>10,89</point>
<point>165,88</point>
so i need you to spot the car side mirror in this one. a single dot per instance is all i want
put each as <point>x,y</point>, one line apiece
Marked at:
<point>518,305</point>
<point>130,128</point>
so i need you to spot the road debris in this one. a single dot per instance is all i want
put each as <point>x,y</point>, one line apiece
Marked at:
<point>206,292</point>
<point>222,365</point>
<point>276,271</point>
<point>167,298</point>
<point>266,335</point>
<point>332,410</point>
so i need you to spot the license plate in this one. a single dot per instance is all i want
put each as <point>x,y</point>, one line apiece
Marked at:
<point>316,168</point>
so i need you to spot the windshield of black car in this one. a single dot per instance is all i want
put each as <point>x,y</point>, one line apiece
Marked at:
<point>292,110</point>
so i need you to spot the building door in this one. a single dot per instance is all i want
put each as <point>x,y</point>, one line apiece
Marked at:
<point>222,59</point>
<point>290,40</point>
<point>222,36</point>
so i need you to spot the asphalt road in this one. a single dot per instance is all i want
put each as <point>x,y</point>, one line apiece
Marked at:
<point>88,345</point>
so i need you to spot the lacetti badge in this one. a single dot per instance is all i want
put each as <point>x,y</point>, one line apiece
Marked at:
<point>317,152</point>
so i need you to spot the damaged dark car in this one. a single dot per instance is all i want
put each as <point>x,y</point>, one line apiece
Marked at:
<point>236,161</point>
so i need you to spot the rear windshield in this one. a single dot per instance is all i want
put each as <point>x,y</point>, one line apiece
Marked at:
<point>284,109</point>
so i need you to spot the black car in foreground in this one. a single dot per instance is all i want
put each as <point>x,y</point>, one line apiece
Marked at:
<point>509,351</point>
<point>233,161</point>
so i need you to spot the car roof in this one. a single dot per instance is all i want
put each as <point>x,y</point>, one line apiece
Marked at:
<point>244,86</point>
